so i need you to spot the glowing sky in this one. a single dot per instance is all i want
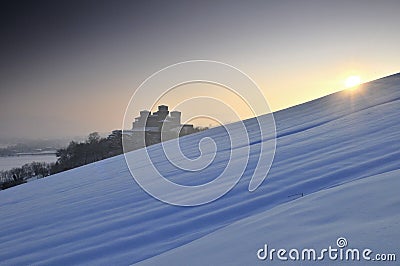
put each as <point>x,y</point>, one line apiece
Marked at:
<point>70,68</point>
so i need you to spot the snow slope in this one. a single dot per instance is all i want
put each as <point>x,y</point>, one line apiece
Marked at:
<point>341,151</point>
<point>371,221</point>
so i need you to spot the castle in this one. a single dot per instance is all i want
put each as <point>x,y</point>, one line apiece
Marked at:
<point>158,126</point>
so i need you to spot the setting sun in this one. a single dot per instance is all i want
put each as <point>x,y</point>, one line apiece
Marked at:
<point>352,81</point>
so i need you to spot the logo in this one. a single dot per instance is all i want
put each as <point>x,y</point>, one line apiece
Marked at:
<point>341,253</point>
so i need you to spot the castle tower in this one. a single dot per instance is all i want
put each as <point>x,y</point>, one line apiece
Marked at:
<point>176,117</point>
<point>162,112</point>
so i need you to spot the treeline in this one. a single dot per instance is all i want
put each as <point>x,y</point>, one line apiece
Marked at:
<point>93,149</point>
<point>76,154</point>
<point>19,175</point>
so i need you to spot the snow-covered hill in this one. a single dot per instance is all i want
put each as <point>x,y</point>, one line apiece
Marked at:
<point>341,151</point>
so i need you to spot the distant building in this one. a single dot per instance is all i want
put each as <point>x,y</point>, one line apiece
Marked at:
<point>115,135</point>
<point>148,128</point>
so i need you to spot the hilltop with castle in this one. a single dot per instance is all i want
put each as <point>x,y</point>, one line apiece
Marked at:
<point>151,128</point>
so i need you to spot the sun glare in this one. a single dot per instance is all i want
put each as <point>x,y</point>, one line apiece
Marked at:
<point>352,81</point>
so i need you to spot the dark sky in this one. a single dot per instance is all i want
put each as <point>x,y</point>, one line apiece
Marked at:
<point>69,68</point>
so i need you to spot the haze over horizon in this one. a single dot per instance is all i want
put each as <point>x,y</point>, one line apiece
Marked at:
<point>68,69</point>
